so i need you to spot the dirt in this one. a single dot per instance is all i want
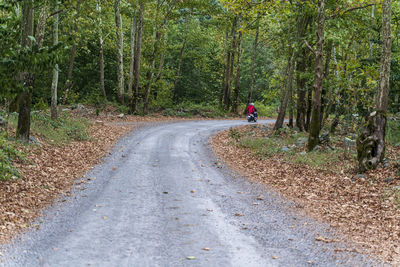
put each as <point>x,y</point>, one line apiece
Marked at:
<point>366,211</point>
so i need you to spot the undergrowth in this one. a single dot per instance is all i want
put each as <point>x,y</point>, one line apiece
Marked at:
<point>8,153</point>
<point>273,144</point>
<point>61,131</point>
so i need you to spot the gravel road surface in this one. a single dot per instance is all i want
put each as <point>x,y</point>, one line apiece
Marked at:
<point>161,198</point>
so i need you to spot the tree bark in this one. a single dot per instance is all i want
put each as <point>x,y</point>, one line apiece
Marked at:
<point>135,99</point>
<point>25,98</point>
<point>120,52</point>
<point>41,25</point>
<point>253,62</point>
<point>54,83</point>
<point>229,66</point>
<point>132,63</point>
<point>68,83</point>
<point>326,76</point>
<point>301,91</point>
<point>288,89</point>
<point>332,91</point>
<point>315,126</point>
<point>237,77</point>
<point>101,52</point>
<point>371,143</point>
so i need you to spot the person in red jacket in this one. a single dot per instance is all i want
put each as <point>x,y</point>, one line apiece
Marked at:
<point>251,109</point>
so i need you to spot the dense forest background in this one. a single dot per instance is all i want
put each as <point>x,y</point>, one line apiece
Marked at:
<point>319,63</point>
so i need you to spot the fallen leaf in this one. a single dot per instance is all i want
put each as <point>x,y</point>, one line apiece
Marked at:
<point>190,258</point>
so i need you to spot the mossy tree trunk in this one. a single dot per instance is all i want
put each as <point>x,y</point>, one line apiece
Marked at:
<point>371,143</point>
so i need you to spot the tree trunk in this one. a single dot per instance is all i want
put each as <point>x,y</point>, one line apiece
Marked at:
<point>102,86</point>
<point>162,58</point>
<point>253,62</point>
<point>290,102</point>
<point>156,45</point>
<point>54,83</point>
<point>371,143</point>
<point>331,93</point>
<point>41,25</point>
<point>68,83</point>
<point>226,62</point>
<point>237,77</point>
<point>135,99</point>
<point>315,126</point>
<point>301,91</point>
<point>326,76</point>
<point>132,63</point>
<point>178,70</point>
<point>288,89</point>
<point>229,66</point>
<point>120,52</point>
<point>25,98</point>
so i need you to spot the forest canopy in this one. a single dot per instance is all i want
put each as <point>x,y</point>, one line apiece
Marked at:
<point>317,62</point>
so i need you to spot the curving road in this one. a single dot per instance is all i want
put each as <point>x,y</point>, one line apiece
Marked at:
<point>160,199</point>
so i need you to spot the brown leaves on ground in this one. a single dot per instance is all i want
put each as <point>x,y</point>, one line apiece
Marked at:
<point>366,210</point>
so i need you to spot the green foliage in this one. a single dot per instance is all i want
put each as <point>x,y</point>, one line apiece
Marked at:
<point>233,133</point>
<point>8,154</point>
<point>189,110</point>
<point>393,132</point>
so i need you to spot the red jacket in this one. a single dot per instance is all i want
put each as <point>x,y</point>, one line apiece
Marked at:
<point>250,109</point>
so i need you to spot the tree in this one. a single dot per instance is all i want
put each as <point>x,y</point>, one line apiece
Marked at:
<point>28,78</point>
<point>120,52</point>
<point>132,62</point>
<point>68,83</point>
<point>101,49</point>
<point>315,125</point>
<point>54,83</point>
<point>135,99</point>
<point>371,143</point>
<point>253,61</point>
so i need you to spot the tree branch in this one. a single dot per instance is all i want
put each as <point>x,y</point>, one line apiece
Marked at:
<point>350,10</point>
<point>309,47</point>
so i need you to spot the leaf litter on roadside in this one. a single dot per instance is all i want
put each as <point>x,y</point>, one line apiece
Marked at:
<point>366,210</point>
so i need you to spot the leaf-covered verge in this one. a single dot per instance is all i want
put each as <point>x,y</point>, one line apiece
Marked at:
<point>51,168</point>
<point>325,184</point>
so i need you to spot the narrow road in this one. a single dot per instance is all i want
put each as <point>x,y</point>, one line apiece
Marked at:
<point>160,199</point>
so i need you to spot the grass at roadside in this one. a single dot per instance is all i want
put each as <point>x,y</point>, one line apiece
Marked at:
<point>8,154</point>
<point>284,145</point>
<point>61,131</point>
